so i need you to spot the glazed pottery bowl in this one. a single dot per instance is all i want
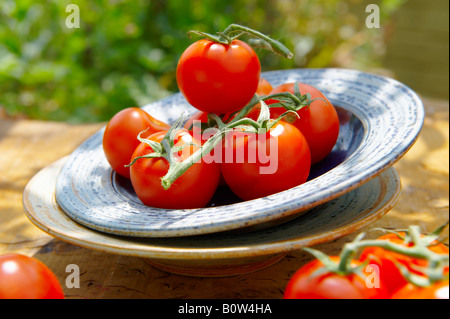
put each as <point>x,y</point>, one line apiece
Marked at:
<point>380,119</point>
<point>224,253</point>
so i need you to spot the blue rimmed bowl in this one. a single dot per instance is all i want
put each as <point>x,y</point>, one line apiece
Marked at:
<point>380,119</point>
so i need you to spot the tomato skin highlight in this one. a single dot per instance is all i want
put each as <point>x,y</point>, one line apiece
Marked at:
<point>23,277</point>
<point>193,189</point>
<point>386,261</point>
<point>120,136</point>
<point>287,163</point>
<point>306,283</point>
<point>438,290</point>
<point>218,78</point>
<point>319,122</point>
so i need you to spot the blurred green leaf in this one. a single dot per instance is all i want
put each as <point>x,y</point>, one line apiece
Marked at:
<point>125,52</point>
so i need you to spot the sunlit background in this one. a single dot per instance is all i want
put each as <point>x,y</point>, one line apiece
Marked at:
<point>126,51</point>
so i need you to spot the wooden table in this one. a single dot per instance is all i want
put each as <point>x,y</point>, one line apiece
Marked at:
<point>28,146</point>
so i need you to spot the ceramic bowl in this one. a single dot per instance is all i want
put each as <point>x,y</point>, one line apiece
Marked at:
<point>219,254</point>
<point>380,119</point>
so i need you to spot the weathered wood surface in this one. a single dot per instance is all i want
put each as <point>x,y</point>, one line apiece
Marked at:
<point>28,146</point>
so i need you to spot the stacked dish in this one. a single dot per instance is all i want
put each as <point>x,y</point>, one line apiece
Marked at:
<point>79,199</point>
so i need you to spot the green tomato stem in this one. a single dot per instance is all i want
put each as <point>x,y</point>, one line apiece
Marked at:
<point>276,46</point>
<point>436,262</point>
<point>208,36</point>
<point>176,169</point>
<point>226,37</point>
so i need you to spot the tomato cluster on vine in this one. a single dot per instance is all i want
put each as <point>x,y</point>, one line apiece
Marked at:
<point>264,139</point>
<point>397,265</point>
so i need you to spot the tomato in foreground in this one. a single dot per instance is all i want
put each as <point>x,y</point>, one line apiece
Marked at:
<point>23,277</point>
<point>319,122</point>
<point>257,165</point>
<point>309,282</point>
<point>218,78</point>
<point>120,136</point>
<point>193,189</point>
<point>438,290</point>
<point>387,260</point>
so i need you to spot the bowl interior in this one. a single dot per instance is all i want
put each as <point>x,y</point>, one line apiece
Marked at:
<point>351,132</point>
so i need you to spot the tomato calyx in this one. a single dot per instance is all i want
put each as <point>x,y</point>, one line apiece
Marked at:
<point>167,149</point>
<point>303,100</point>
<point>291,103</point>
<point>234,31</point>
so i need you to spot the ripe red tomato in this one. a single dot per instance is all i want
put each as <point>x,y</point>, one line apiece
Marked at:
<point>257,165</point>
<point>23,277</point>
<point>264,87</point>
<point>438,290</point>
<point>218,78</point>
<point>120,136</point>
<point>193,189</point>
<point>319,122</point>
<point>310,283</point>
<point>386,261</point>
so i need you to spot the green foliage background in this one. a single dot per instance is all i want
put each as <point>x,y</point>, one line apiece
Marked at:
<point>126,51</point>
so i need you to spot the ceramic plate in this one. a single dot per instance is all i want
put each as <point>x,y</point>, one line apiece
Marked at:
<point>380,120</point>
<point>219,254</point>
